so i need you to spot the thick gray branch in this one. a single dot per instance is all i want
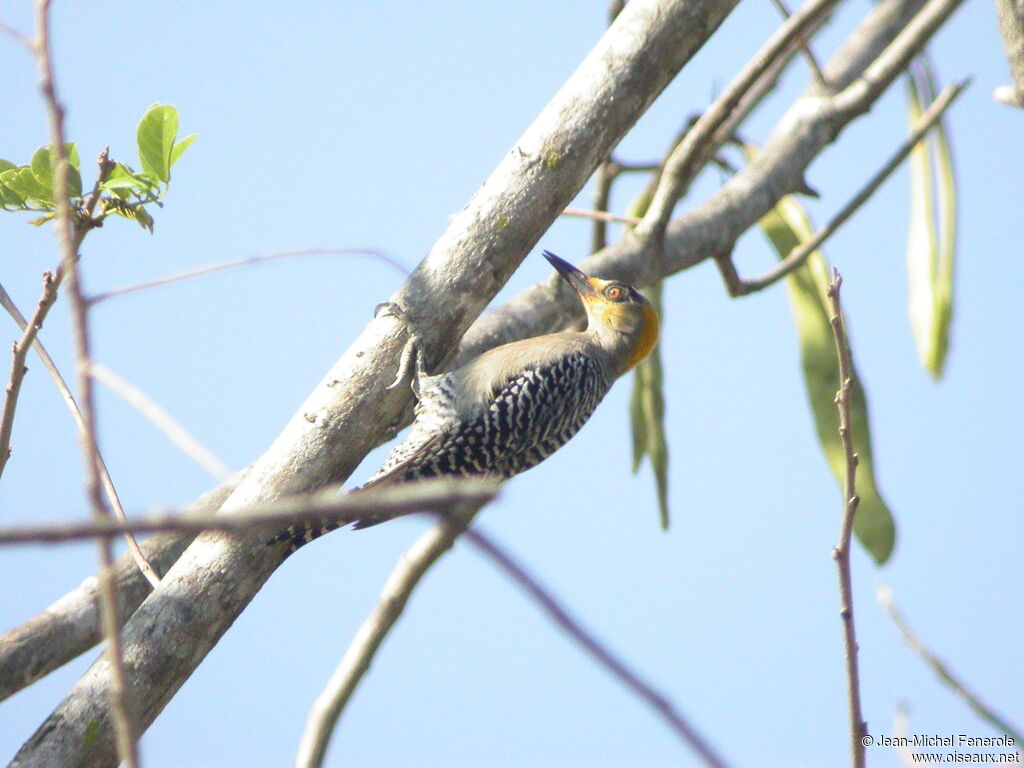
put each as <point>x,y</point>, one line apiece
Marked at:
<point>1011,27</point>
<point>807,128</point>
<point>349,411</point>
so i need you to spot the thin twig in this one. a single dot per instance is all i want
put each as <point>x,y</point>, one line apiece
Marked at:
<point>120,707</point>
<point>69,400</point>
<point>328,504</point>
<point>737,286</point>
<point>604,176</point>
<point>7,29</point>
<point>51,284</point>
<point>841,552</point>
<point>601,653</point>
<point>805,47</point>
<point>412,566</point>
<point>943,672</point>
<point>18,367</point>
<point>600,216</point>
<point>162,420</point>
<point>699,142</point>
<point>209,269</point>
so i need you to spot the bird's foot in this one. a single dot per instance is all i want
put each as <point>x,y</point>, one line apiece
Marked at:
<point>411,350</point>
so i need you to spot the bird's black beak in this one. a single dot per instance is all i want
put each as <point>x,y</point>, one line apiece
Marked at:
<point>579,281</point>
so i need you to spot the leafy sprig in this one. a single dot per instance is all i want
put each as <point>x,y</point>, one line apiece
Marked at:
<point>124,192</point>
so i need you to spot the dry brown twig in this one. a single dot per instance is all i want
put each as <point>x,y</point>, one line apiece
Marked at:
<point>18,366</point>
<point>146,569</point>
<point>328,503</point>
<point>120,704</point>
<point>841,552</point>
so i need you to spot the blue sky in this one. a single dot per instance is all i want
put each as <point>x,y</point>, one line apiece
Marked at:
<point>367,125</point>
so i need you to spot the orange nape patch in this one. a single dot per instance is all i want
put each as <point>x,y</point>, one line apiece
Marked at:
<point>647,338</point>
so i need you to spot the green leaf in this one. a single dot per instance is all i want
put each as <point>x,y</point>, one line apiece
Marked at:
<point>8,196</point>
<point>42,219</point>
<point>931,239</point>
<point>155,138</point>
<point>145,220</point>
<point>647,416</point>
<point>24,183</point>
<point>180,147</point>
<point>42,169</point>
<point>647,402</point>
<point>787,225</point>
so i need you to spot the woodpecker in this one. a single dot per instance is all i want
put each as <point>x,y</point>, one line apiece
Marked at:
<point>513,406</point>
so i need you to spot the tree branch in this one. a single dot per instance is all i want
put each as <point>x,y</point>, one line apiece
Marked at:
<point>737,286</point>
<point>943,672</point>
<point>841,552</point>
<point>595,649</point>
<point>71,625</point>
<point>1011,27</point>
<point>807,127</point>
<point>412,566</point>
<point>697,145</point>
<point>163,421</point>
<point>117,689</point>
<point>18,367</point>
<point>691,238</point>
<point>327,504</point>
<point>349,412</point>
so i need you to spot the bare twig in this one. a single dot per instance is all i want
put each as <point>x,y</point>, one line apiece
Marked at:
<point>698,144</point>
<point>162,420</point>
<point>604,177</point>
<point>593,647</point>
<point>943,672</point>
<point>7,29</point>
<point>18,367</point>
<point>841,552</point>
<point>71,625</point>
<point>121,709</point>
<point>805,47</point>
<point>328,503</point>
<point>135,550</point>
<point>737,286</point>
<point>210,269</point>
<point>51,284</point>
<point>600,215</point>
<point>412,566</point>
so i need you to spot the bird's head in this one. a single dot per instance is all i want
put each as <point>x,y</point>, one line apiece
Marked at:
<point>614,309</point>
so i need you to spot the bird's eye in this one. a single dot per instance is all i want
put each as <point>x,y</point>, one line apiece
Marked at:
<point>615,293</point>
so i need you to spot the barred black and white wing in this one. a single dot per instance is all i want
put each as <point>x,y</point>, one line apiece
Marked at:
<point>529,417</point>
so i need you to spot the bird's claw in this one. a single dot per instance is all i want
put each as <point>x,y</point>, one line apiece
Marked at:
<point>409,351</point>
